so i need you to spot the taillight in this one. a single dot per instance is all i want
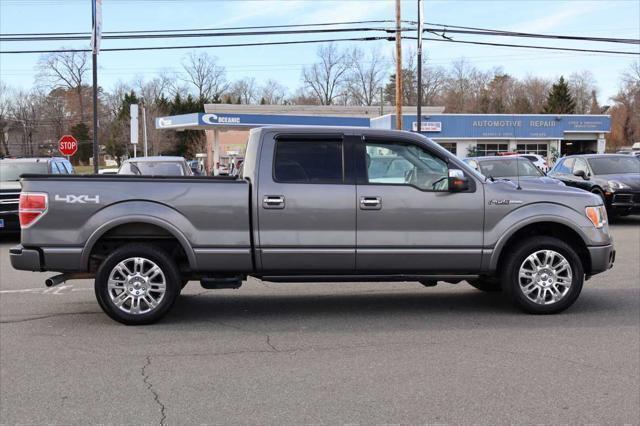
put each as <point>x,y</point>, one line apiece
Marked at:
<point>33,205</point>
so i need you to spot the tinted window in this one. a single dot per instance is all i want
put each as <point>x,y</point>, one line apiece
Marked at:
<point>308,162</point>
<point>613,165</point>
<point>581,165</point>
<point>11,170</point>
<point>402,164</point>
<point>564,166</point>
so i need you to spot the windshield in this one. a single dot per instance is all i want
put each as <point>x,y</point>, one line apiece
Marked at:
<point>614,165</point>
<point>11,171</point>
<point>507,168</point>
<point>156,168</point>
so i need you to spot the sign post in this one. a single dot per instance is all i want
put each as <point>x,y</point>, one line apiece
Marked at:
<point>133,112</point>
<point>68,145</point>
<point>96,18</point>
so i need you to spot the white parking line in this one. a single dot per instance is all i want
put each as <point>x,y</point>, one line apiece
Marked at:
<point>56,291</point>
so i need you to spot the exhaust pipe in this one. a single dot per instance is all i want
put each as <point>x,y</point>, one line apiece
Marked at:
<point>61,278</point>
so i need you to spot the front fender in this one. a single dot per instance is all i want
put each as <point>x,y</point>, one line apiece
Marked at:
<point>497,235</point>
<point>140,212</point>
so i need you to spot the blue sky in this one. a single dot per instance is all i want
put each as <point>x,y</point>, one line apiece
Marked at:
<point>610,18</point>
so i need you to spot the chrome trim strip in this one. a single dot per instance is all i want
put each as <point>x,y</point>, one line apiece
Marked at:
<point>307,251</point>
<point>10,201</point>
<point>62,250</point>
<point>222,250</point>
<point>418,251</point>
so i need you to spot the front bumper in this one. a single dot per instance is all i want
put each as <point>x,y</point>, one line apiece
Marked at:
<point>625,202</point>
<point>602,258</point>
<point>25,259</point>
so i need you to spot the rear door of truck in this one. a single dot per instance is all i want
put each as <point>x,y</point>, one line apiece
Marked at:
<point>306,204</point>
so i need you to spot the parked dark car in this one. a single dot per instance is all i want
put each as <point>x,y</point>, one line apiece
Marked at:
<point>10,171</point>
<point>614,177</point>
<point>505,168</point>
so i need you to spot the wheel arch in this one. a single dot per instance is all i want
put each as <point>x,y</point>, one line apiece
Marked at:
<point>556,227</point>
<point>111,225</point>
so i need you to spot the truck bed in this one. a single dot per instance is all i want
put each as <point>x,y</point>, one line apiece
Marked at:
<point>208,215</point>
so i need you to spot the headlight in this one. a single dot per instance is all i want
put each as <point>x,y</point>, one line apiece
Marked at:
<point>614,184</point>
<point>597,215</point>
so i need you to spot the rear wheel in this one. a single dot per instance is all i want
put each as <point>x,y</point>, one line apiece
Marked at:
<point>543,276</point>
<point>137,284</point>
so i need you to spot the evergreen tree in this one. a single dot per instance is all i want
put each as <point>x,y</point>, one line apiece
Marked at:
<point>559,99</point>
<point>85,142</point>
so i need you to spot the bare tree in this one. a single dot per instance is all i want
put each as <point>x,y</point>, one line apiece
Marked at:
<point>25,110</point>
<point>245,90</point>
<point>326,79</point>
<point>625,114</point>
<point>366,76</point>
<point>65,70</point>
<point>272,93</point>
<point>581,85</point>
<point>433,81</point>
<point>205,75</point>
<point>5,123</point>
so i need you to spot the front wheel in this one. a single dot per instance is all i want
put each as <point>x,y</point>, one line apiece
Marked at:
<point>137,284</point>
<point>543,276</point>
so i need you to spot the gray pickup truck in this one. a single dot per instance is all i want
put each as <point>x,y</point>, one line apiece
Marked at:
<point>314,204</point>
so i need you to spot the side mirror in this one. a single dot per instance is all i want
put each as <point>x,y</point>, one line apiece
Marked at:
<point>457,181</point>
<point>581,173</point>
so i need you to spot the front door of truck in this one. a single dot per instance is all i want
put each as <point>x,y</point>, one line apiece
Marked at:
<point>407,220</point>
<point>306,211</point>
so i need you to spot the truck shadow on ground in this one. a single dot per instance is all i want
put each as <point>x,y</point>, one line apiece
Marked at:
<point>381,309</point>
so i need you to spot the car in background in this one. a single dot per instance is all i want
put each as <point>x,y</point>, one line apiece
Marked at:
<point>514,168</point>
<point>629,152</point>
<point>196,167</point>
<point>155,166</point>
<point>10,171</point>
<point>614,177</point>
<point>538,160</point>
<point>108,171</point>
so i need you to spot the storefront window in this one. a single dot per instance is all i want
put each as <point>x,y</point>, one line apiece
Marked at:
<point>533,148</point>
<point>484,149</point>
<point>449,146</point>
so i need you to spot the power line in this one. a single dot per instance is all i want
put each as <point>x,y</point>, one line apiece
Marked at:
<point>380,21</point>
<point>201,34</point>
<point>273,43</point>
<point>525,46</point>
<point>531,35</point>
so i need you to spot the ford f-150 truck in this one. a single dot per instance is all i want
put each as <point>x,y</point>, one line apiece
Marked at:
<point>314,204</point>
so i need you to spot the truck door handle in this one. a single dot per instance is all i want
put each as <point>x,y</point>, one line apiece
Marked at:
<point>370,203</point>
<point>273,202</point>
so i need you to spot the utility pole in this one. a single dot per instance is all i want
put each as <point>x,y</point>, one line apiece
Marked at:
<point>96,18</point>
<point>398,67</point>
<point>419,76</point>
<point>144,128</point>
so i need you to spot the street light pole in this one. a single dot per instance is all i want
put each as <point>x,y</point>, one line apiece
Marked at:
<point>97,24</point>
<point>419,76</point>
<point>398,67</point>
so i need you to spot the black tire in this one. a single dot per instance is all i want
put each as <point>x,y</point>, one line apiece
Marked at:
<point>150,253</point>
<point>183,283</point>
<point>486,284</point>
<point>511,281</point>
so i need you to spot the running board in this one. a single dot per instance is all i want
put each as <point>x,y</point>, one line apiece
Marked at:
<point>363,278</point>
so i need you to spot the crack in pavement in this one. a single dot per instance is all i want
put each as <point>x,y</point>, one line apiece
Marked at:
<point>62,314</point>
<point>270,344</point>
<point>156,396</point>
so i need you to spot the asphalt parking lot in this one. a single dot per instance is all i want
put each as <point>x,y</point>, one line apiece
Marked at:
<point>326,353</point>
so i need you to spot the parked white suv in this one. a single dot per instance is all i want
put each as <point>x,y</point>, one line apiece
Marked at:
<point>538,160</point>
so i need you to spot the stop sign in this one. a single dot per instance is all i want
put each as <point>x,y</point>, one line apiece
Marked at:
<point>67,145</point>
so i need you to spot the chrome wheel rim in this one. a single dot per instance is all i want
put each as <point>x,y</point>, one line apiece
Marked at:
<point>136,285</point>
<point>545,277</point>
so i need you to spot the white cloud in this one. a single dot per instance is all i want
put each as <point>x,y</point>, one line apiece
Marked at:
<point>567,12</point>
